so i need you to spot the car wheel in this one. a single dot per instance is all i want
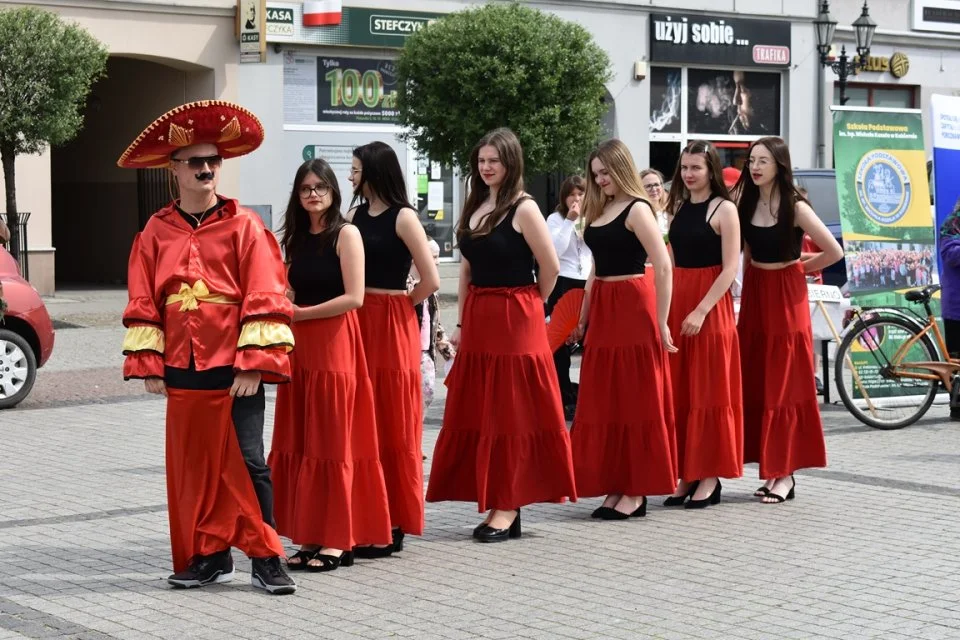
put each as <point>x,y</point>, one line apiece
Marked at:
<point>18,369</point>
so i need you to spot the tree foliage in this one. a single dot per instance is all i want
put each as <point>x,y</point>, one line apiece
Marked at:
<point>47,67</point>
<point>504,65</point>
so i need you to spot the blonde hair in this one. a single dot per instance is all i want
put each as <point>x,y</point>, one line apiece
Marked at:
<point>619,164</point>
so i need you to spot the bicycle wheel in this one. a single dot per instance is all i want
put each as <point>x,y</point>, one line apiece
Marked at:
<point>867,387</point>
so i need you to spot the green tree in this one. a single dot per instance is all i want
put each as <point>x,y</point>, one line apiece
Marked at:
<point>504,65</point>
<point>46,69</point>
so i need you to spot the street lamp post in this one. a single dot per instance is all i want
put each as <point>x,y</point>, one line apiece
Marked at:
<point>863,27</point>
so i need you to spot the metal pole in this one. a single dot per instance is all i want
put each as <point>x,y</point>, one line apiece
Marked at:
<point>842,71</point>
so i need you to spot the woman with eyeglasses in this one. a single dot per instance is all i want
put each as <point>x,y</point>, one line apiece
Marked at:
<point>329,488</point>
<point>565,226</point>
<point>393,239</point>
<point>653,185</point>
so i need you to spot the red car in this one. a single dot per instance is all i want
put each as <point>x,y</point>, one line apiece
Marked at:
<point>26,334</point>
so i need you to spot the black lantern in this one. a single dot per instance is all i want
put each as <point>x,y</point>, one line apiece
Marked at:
<point>826,27</point>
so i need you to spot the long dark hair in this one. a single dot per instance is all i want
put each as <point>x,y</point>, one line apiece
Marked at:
<point>571,184</point>
<point>511,157</point>
<point>679,192</point>
<point>296,220</point>
<point>786,214</point>
<point>381,173</point>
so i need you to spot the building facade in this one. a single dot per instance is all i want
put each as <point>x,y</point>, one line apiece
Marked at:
<point>728,71</point>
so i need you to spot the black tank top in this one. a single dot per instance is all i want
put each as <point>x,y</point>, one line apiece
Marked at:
<point>386,258</point>
<point>765,246</point>
<point>616,250</point>
<point>502,258</point>
<point>694,242</point>
<point>315,275</point>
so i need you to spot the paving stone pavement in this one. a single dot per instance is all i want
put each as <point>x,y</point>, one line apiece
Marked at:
<point>867,549</point>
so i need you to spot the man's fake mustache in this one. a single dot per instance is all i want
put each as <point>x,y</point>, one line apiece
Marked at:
<point>204,175</point>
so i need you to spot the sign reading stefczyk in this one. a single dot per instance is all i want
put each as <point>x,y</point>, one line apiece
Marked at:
<point>381,28</point>
<point>711,40</point>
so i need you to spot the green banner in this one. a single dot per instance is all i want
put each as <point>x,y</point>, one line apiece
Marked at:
<point>886,220</point>
<point>385,28</point>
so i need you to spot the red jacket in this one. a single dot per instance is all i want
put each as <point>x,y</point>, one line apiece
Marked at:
<point>218,291</point>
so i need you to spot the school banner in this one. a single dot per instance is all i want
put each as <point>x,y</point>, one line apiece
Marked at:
<point>945,119</point>
<point>885,217</point>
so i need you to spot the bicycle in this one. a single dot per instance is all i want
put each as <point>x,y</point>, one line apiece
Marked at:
<point>892,363</point>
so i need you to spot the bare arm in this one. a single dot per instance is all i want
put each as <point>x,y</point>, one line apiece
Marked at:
<point>4,233</point>
<point>350,252</point>
<point>643,224</point>
<point>463,289</point>
<point>821,236</point>
<point>727,223</point>
<point>534,229</point>
<point>577,334</point>
<point>411,232</point>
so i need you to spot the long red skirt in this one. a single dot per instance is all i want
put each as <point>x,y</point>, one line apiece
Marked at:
<point>707,398</point>
<point>504,442</point>
<point>210,497</point>
<point>327,480</point>
<point>623,431</point>
<point>782,427</point>
<point>391,341</point>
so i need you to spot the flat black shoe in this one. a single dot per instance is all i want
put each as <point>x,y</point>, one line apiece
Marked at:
<point>713,498</point>
<point>267,574</point>
<point>600,512</point>
<point>205,570</point>
<point>640,511</point>
<point>371,552</point>
<point>609,513</point>
<point>330,563</point>
<point>489,534</point>
<point>677,501</point>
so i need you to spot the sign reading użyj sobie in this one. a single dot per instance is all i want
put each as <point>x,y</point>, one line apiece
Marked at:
<point>885,217</point>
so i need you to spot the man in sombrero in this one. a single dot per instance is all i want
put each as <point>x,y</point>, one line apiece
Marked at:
<point>207,324</point>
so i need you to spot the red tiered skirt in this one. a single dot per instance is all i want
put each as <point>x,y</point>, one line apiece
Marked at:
<point>210,498</point>
<point>391,340</point>
<point>327,479</point>
<point>504,442</point>
<point>623,431</point>
<point>707,397</point>
<point>782,427</point>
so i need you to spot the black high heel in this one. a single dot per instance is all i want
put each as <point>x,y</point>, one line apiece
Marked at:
<point>489,534</point>
<point>677,501</point>
<point>713,498</point>
<point>778,498</point>
<point>330,563</point>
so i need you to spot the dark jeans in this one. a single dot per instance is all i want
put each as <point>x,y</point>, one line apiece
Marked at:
<point>561,357</point>
<point>248,416</point>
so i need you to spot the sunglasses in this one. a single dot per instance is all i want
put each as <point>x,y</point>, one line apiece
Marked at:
<point>198,163</point>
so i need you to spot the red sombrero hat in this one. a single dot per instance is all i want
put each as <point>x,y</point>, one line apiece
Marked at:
<point>232,128</point>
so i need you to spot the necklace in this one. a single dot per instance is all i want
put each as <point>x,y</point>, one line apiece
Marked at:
<point>197,217</point>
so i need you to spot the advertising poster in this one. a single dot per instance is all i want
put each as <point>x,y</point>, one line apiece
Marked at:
<point>335,89</point>
<point>945,119</point>
<point>737,103</point>
<point>885,217</point>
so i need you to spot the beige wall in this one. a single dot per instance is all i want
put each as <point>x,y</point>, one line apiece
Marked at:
<point>195,42</point>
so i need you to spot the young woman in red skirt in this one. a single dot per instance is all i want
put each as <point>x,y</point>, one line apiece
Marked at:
<point>329,487</point>
<point>393,238</point>
<point>621,447</point>
<point>707,400</point>
<point>782,427</point>
<point>504,441</point>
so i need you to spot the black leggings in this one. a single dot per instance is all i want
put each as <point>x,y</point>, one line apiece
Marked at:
<point>951,334</point>
<point>561,357</point>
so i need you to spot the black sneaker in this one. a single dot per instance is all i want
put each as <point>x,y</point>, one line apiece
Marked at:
<point>205,570</point>
<point>268,575</point>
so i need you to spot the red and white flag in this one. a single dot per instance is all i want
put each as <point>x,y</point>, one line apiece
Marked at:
<point>317,13</point>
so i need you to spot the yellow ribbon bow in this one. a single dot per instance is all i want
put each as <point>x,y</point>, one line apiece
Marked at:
<point>191,297</point>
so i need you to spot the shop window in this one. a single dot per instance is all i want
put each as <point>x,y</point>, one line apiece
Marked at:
<point>878,95</point>
<point>435,199</point>
<point>729,108</point>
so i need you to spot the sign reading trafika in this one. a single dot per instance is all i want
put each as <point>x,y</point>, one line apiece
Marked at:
<point>251,19</point>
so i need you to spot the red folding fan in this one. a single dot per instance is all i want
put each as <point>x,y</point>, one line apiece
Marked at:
<point>564,319</point>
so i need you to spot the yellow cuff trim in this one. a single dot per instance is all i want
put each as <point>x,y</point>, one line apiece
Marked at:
<point>143,338</point>
<point>265,333</point>
<point>191,297</point>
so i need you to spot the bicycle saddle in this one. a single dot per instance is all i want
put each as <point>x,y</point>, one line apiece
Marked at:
<point>922,295</point>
